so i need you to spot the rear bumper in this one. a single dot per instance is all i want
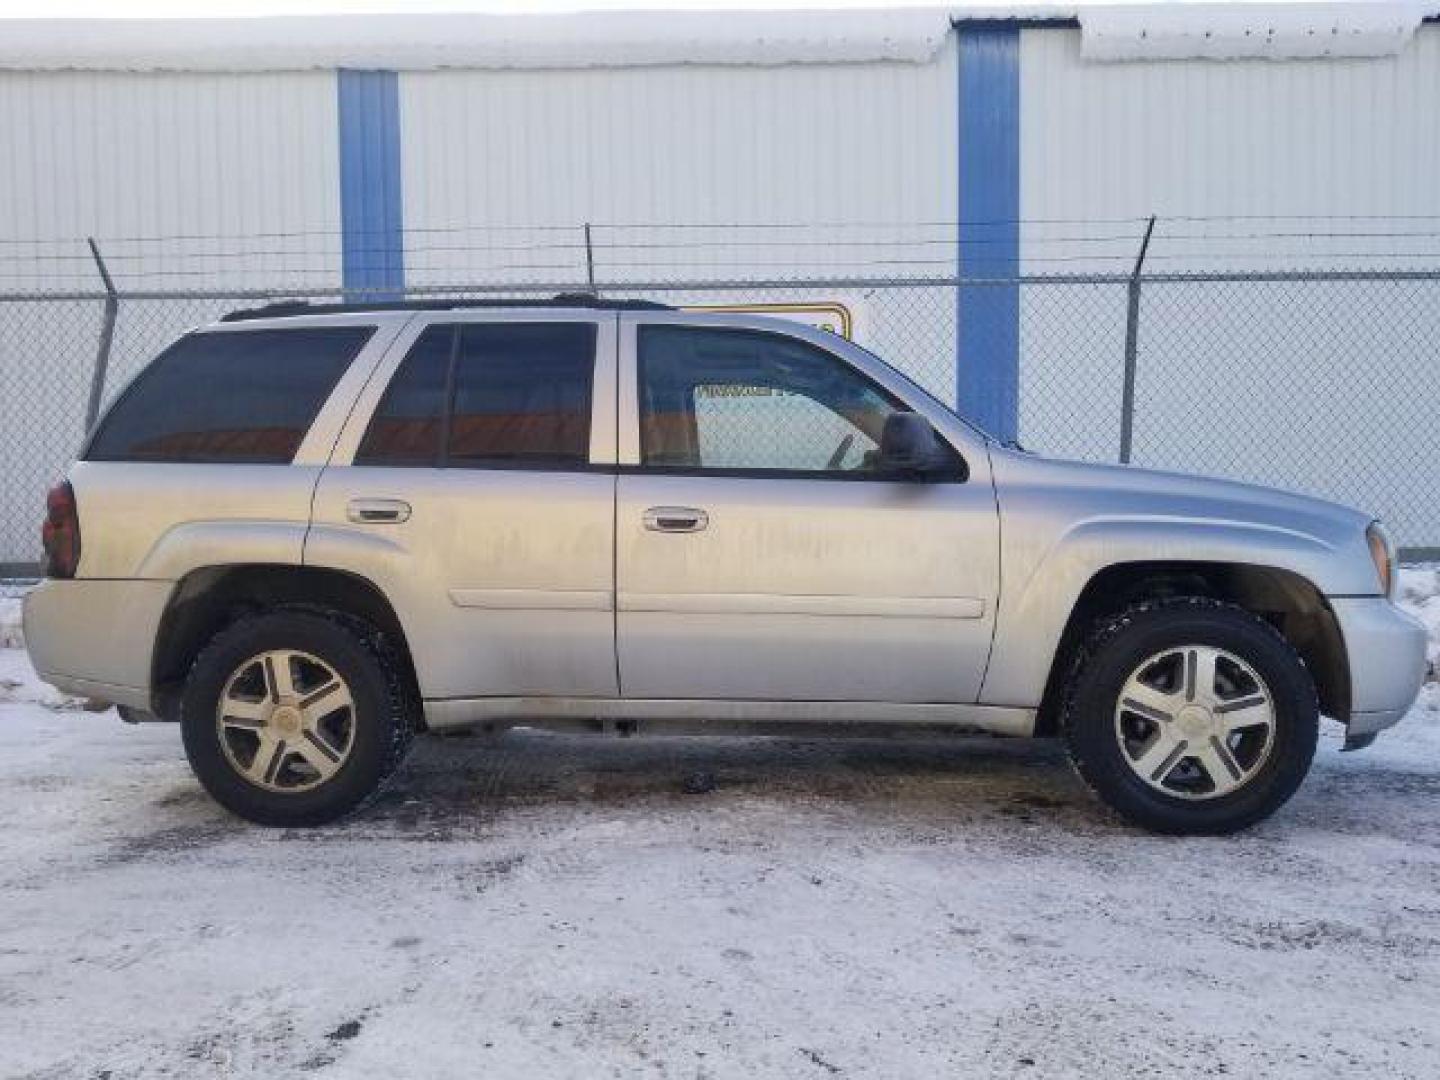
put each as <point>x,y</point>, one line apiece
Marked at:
<point>1386,651</point>
<point>95,638</point>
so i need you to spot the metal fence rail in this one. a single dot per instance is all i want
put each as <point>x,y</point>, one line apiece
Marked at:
<point>1326,382</point>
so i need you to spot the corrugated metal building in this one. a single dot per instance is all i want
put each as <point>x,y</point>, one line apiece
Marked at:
<point>381,152</point>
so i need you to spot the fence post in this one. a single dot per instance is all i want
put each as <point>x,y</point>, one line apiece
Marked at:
<point>590,260</point>
<point>1132,336</point>
<point>107,336</point>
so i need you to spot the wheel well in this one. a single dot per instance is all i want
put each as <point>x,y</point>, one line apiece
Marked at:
<point>207,600</point>
<point>1289,602</point>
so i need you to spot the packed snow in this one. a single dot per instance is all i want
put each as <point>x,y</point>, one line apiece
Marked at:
<point>540,905</point>
<point>417,41</point>
<point>11,633</point>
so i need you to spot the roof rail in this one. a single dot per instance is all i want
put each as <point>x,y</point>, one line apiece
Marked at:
<point>284,308</point>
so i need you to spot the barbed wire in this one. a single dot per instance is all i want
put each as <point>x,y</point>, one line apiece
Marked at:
<point>964,223</point>
<point>616,253</point>
<point>571,279</point>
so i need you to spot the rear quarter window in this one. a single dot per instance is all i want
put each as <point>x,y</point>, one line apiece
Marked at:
<point>234,397</point>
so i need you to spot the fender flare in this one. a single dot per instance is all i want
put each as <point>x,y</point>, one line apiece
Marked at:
<point>1034,612</point>
<point>196,545</point>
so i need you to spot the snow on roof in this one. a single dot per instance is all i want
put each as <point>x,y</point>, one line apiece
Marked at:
<point>1242,31</point>
<point>410,42</point>
<point>634,38</point>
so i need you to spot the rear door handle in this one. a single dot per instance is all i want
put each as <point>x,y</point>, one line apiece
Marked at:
<point>676,519</point>
<point>377,511</point>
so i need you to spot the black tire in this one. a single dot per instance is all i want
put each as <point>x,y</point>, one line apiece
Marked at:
<point>383,714</point>
<point>1122,642</point>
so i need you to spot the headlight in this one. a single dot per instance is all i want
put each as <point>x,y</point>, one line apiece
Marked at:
<point>1382,550</point>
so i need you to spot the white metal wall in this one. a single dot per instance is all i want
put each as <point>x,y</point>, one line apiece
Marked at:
<point>1280,383</point>
<point>238,173</point>
<point>856,164</point>
<point>1215,138</point>
<point>804,143</point>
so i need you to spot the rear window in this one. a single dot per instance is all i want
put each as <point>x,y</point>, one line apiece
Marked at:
<point>238,397</point>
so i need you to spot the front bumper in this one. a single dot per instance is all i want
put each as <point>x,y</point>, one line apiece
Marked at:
<point>95,638</point>
<point>1386,651</point>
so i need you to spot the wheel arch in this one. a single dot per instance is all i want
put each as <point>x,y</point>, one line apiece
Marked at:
<point>209,598</point>
<point>1290,602</point>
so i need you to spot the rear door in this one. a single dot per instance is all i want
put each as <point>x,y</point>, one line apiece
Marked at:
<point>762,554</point>
<point>474,484</point>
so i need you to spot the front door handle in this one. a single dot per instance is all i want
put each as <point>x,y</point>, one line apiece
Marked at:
<point>675,519</point>
<point>377,511</point>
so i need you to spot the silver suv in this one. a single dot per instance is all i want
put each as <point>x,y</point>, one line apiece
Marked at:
<point>307,533</point>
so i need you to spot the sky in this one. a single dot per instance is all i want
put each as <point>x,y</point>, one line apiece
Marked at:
<point>223,8</point>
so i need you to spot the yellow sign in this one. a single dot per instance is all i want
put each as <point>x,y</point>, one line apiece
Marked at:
<point>829,315</point>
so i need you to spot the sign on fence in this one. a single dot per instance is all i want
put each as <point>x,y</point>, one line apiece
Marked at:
<point>834,316</point>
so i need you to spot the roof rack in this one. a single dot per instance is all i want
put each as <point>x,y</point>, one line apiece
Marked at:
<point>283,308</point>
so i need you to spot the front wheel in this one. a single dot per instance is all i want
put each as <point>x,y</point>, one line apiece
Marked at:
<point>295,717</point>
<point>1191,716</point>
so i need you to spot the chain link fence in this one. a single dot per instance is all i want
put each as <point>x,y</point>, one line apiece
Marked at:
<point>1323,382</point>
<point>1328,385</point>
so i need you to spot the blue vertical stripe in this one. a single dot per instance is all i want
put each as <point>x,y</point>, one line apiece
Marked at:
<point>987,348</point>
<point>371,222</point>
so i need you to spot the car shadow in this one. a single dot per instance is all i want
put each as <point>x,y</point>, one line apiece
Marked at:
<point>463,785</point>
<point>452,780</point>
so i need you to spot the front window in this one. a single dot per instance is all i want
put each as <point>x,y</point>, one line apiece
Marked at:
<point>747,400</point>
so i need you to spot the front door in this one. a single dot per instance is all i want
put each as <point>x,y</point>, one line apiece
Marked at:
<point>475,486</point>
<point>762,550</point>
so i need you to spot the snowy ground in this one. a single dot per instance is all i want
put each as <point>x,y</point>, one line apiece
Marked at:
<point>544,906</point>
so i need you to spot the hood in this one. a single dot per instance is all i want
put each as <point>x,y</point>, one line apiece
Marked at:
<point>1095,490</point>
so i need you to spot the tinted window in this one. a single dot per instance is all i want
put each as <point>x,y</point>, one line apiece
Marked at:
<point>244,396</point>
<point>521,395</point>
<point>748,400</point>
<point>405,429</point>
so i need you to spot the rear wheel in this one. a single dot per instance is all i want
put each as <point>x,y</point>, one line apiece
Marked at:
<point>1191,716</point>
<point>295,717</point>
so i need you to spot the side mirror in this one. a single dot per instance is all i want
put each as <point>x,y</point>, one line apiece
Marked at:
<point>909,446</point>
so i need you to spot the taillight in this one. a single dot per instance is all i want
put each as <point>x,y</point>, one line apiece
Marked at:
<point>61,532</point>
